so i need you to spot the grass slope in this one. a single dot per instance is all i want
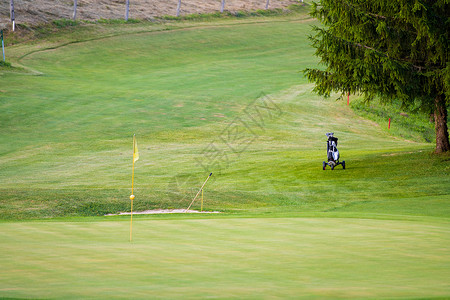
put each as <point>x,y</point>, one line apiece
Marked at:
<point>225,98</point>
<point>65,135</point>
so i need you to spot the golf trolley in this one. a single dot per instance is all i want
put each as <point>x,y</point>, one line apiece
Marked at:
<point>332,153</point>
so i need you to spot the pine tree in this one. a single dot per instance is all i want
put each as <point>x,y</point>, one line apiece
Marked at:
<point>391,49</point>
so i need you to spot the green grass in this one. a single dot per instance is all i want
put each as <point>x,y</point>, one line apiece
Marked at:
<point>378,229</point>
<point>72,127</point>
<point>179,100</point>
<point>405,123</point>
<point>4,65</point>
<point>253,258</point>
<point>62,23</point>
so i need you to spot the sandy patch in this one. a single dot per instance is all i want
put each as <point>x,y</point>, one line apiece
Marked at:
<point>164,211</point>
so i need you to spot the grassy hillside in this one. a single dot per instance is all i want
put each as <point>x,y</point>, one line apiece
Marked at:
<point>226,97</point>
<point>189,95</point>
<point>406,123</point>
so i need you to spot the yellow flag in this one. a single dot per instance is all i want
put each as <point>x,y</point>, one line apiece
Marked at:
<point>135,149</point>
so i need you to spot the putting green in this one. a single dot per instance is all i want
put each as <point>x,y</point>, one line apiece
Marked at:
<point>226,258</point>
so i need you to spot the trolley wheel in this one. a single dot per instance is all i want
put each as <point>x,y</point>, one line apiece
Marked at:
<point>343,165</point>
<point>324,165</point>
<point>332,167</point>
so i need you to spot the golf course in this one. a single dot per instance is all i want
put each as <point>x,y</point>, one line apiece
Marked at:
<point>226,96</point>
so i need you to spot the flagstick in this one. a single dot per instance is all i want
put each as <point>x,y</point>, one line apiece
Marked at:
<point>198,193</point>
<point>201,209</point>
<point>132,184</point>
<point>132,198</point>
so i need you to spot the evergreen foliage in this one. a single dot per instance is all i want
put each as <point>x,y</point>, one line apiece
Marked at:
<point>390,49</point>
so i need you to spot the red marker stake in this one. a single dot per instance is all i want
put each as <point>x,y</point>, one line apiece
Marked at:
<point>348,98</point>
<point>389,126</point>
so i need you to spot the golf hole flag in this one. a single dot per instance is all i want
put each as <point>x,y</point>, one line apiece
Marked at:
<point>135,150</point>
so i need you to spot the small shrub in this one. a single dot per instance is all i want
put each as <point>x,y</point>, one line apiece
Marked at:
<point>269,12</point>
<point>62,23</point>
<point>5,64</point>
<point>240,14</point>
<point>118,21</point>
<point>170,18</point>
<point>193,17</point>
<point>298,7</point>
<point>133,21</point>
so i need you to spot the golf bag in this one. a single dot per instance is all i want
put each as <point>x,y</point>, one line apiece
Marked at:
<point>332,153</point>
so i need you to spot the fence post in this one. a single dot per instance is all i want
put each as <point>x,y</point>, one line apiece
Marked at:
<point>3,47</point>
<point>178,8</point>
<point>11,12</point>
<point>74,10</point>
<point>127,9</point>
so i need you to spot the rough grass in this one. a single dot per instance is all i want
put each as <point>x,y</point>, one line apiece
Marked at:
<point>180,91</point>
<point>231,92</point>
<point>406,123</point>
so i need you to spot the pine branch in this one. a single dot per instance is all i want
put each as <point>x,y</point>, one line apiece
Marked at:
<point>380,53</point>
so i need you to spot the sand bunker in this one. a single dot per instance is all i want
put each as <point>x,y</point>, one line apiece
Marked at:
<point>165,211</point>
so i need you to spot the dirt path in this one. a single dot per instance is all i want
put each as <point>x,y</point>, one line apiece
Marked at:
<point>41,11</point>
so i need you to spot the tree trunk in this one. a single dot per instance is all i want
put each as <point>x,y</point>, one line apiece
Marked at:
<point>440,117</point>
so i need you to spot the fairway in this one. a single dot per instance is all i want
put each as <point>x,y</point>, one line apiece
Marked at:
<point>226,97</point>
